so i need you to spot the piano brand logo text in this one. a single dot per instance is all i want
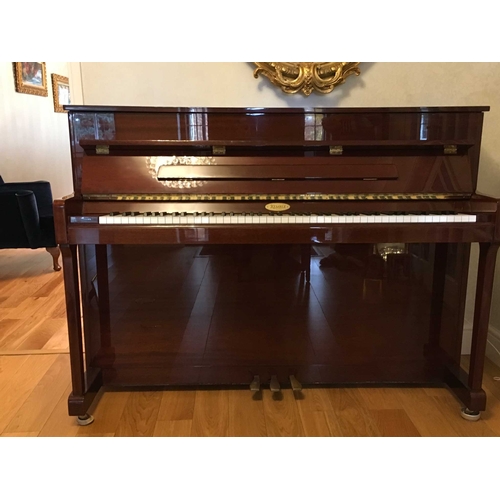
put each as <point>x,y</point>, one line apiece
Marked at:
<point>277,207</point>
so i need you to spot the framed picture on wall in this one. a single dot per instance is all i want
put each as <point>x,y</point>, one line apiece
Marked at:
<point>31,78</point>
<point>60,92</point>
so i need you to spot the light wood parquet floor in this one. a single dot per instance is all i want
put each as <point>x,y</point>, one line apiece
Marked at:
<point>35,384</point>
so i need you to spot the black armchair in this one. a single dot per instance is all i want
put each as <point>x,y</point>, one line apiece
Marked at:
<point>27,217</point>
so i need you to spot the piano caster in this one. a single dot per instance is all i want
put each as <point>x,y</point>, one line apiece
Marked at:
<point>274,385</point>
<point>470,415</point>
<point>255,385</point>
<point>84,419</point>
<point>296,385</point>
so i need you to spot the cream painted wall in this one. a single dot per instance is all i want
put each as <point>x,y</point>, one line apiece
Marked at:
<point>380,84</point>
<point>34,140</point>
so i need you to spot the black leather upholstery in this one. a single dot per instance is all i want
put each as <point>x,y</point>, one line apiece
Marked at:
<point>26,215</point>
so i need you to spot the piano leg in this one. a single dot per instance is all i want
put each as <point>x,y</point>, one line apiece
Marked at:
<point>81,397</point>
<point>469,389</point>
<point>107,353</point>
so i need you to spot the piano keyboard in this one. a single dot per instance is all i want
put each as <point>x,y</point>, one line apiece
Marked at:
<point>174,218</point>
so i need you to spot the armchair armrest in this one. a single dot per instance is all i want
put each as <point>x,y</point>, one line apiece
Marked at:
<point>42,191</point>
<point>30,216</point>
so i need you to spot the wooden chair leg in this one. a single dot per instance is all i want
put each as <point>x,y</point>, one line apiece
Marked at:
<point>55,252</point>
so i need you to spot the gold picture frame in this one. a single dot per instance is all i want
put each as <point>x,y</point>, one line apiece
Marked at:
<point>60,92</point>
<point>31,78</point>
<point>306,77</point>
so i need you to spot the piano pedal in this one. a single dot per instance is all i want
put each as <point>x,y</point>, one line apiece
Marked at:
<point>296,385</point>
<point>255,384</point>
<point>274,385</point>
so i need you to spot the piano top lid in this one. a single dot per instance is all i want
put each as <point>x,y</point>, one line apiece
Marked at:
<point>340,110</point>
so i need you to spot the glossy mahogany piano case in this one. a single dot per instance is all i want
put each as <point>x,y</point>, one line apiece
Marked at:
<point>211,246</point>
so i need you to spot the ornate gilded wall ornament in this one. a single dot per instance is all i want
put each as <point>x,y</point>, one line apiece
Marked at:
<point>293,77</point>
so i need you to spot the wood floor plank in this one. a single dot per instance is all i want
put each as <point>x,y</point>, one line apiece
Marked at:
<point>59,339</point>
<point>211,414</point>
<point>52,287</point>
<point>315,423</point>
<point>282,415</point>
<point>16,391</point>
<point>177,405</point>
<point>37,408</point>
<point>40,335</point>
<point>425,413</point>
<point>59,424</point>
<point>379,398</point>
<point>351,416</point>
<point>246,414</point>
<point>139,415</point>
<point>394,423</point>
<point>173,428</point>
<point>20,434</point>
<point>315,413</point>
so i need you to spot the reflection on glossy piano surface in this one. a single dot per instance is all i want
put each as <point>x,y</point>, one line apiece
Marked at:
<point>275,248</point>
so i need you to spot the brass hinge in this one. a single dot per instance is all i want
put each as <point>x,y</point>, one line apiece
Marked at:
<point>219,150</point>
<point>102,150</point>
<point>336,150</point>
<point>450,149</point>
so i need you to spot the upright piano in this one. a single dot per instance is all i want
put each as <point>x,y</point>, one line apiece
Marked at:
<point>267,248</point>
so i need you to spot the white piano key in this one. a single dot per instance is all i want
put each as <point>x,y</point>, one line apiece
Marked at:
<point>226,219</point>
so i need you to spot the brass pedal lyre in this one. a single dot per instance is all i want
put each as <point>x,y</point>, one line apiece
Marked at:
<point>296,385</point>
<point>274,385</point>
<point>255,385</point>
